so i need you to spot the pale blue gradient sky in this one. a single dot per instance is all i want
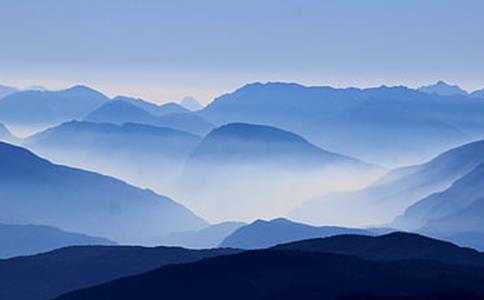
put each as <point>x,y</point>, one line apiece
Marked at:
<point>164,50</point>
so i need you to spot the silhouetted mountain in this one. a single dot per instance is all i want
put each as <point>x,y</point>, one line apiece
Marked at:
<point>240,143</point>
<point>6,90</point>
<point>121,112</point>
<point>299,274</point>
<point>191,104</point>
<point>478,94</point>
<point>363,123</point>
<point>387,198</point>
<point>41,109</point>
<point>264,234</point>
<point>209,237</point>
<point>442,88</point>
<point>45,276</point>
<point>124,151</point>
<point>19,240</point>
<point>6,135</point>
<point>35,191</point>
<point>391,247</point>
<point>157,110</point>
<point>251,163</point>
<point>455,213</point>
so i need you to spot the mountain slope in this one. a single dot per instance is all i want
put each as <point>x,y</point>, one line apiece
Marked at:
<point>358,122</point>
<point>123,151</point>
<point>19,240</point>
<point>265,168</point>
<point>442,88</point>
<point>6,90</point>
<point>154,109</point>
<point>191,103</point>
<point>264,234</point>
<point>478,94</point>
<point>121,112</point>
<point>387,198</point>
<point>455,213</point>
<point>295,274</point>
<point>35,191</point>
<point>391,247</point>
<point>209,237</point>
<point>6,135</point>
<point>41,109</point>
<point>47,275</point>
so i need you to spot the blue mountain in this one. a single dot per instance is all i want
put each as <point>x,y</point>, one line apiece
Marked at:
<point>401,266</point>
<point>389,196</point>
<point>455,213</point>
<point>154,109</point>
<point>40,109</point>
<point>19,240</point>
<point>478,94</point>
<point>35,191</point>
<point>256,165</point>
<point>47,275</point>
<point>372,124</point>
<point>263,234</point>
<point>191,104</point>
<point>124,151</point>
<point>121,112</point>
<point>442,88</point>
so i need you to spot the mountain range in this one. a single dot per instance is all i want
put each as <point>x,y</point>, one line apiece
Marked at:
<point>256,165</point>
<point>264,234</point>
<point>35,109</point>
<point>455,213</point>
<point>19,240</point>
<point>47,275</point>
<point>35,191</point>
<point>124,151</point>
<point>389,196</point>
<point>395,265</point>
<point>372,124</point>
<point>121,112</point>
<point>154,109</point>
<point>442,88</point>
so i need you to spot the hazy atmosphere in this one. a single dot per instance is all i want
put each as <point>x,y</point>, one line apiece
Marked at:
<point>242,150</point>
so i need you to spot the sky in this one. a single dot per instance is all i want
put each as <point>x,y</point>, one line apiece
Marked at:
<point>165,50</point>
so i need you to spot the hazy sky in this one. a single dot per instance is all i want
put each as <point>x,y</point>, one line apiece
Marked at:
<point>163,50</point>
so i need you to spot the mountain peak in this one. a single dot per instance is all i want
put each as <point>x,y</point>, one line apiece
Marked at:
<point>443,88</point>
<point>191,103</point>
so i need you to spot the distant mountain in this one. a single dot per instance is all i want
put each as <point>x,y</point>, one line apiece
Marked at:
<point>18,240</point>
<point>263,234</point>
<point>442,88</point>
<point>363,123</point>
<point>191,104</point>
<point>478,94</point>
<point>455,213</point>
<point>35,191</point>
<point>45,276</point>
<point>254,164</point>
<point>209,237</point>
<point>301,274</point>
<point>121,112</point>
<point>154,109</point>
<point>41,109</point>
<point>6,90</point>
<point>6,135</point>
<point>123,151</point>
<point>388,197</point>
